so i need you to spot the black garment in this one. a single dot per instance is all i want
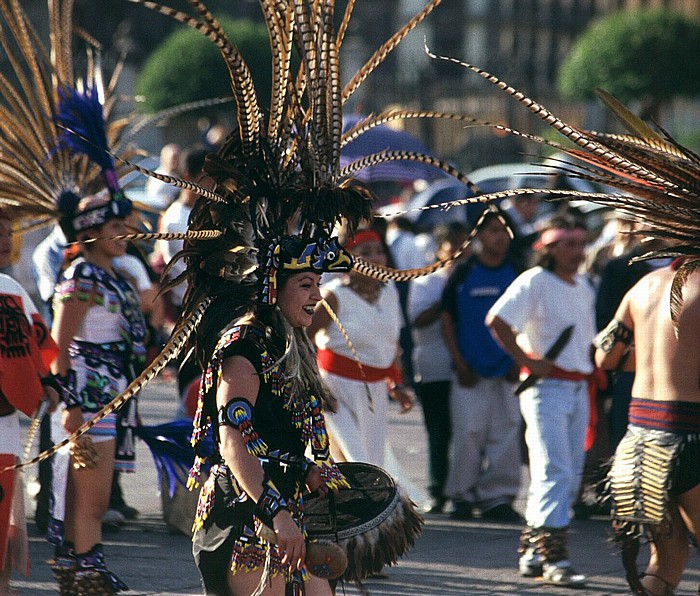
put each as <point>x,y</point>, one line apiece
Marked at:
<point>228,530</point>
<point>618,277</point>
<point>435,401</point>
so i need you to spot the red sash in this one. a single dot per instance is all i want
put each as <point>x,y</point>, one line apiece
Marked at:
<point>597,380</point>
<point>347,367</point>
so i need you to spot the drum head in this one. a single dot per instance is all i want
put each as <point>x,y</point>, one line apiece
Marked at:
<point>373,521</point>
<point>366,504</point>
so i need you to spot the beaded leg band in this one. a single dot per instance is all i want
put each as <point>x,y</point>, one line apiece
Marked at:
<point>63,567</point>
<point>92,578</point>
<point>549,543</point>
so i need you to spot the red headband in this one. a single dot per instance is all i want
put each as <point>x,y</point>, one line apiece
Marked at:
<point>553,235</point>
<point>362,236</point>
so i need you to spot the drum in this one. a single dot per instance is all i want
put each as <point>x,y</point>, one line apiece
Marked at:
<point>374,521</point>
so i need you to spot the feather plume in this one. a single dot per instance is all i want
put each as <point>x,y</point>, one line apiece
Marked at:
<point>82,119</point>
<point>659,178</point>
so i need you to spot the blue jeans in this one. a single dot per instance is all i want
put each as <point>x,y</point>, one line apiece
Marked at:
<point>556,417</point>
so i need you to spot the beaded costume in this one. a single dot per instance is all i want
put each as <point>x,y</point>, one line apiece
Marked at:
<point>108,350</point>
<point>280,170</point>
<point>277,429</point>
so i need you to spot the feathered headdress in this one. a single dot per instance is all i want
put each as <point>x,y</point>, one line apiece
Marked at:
<point>42,178</point>
<point>278,187</point>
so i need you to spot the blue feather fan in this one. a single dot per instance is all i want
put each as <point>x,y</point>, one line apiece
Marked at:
<point>82,117</point>
<point>171,449</point>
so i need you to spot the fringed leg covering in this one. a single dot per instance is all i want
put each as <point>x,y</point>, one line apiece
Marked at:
<point>527,540</point>
<point>551,544</point>
<point>530,563</point>
<point>63,566</point>
<point>92,578</point>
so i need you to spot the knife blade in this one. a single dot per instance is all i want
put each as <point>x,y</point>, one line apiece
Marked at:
<point>551,354</point>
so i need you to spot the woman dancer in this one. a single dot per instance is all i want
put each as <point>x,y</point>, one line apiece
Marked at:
<point>263,396</point>
<point>100,331</point>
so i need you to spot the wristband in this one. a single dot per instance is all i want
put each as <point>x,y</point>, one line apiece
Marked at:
<point>67,389</point>
<point>270,503</point>
<point>50,381</point>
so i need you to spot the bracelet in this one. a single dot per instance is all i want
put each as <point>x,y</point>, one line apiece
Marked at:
<point>270,503</point>
<point>50,381</point>
<point>306,466</point>
<point>238,413</point>
<point>67,389</point>
<point>615,332</point>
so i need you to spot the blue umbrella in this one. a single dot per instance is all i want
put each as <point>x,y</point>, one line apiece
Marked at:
<point>382,138</point>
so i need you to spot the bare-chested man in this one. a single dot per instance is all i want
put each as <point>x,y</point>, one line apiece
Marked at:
<point>658,461</point>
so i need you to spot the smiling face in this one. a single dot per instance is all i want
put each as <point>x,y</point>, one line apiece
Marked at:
<point>298,298</point>
<point>106,245</point>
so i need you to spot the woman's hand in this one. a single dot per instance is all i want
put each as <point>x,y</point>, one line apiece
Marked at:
<point>290,541</point>
<point>405,396</point>
<point>315,483</point>
<point>72,419</point>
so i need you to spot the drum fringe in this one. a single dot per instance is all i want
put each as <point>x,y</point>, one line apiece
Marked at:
<point>385,544</point>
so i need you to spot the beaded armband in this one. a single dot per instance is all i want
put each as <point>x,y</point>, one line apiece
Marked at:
<point>238,413</point>
<point>270,503</point>
<point>67,389</point>
<point>615,332</point>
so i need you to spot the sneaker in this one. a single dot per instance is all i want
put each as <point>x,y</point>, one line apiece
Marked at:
<point>530,564</point>
<point>502,513</point>
<point>127,511</point>
<point>435,505</point>
<point>463,510</point>
<point>112,520</point>
<point>562,574</point>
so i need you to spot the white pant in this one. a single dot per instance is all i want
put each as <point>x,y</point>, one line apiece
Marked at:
<point>556,418</point>
<point>485,460</point>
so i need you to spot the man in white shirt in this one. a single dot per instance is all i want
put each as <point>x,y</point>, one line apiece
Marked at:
<point>538,306</point>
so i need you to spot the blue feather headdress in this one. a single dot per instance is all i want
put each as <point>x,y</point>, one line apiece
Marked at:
<point>81,116</point>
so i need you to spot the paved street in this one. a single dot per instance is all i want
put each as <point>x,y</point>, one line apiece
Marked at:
<point>451,558</point>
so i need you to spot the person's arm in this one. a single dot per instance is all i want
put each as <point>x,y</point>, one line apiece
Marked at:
<point>237,393</point>
<point>506,336</point>
<point>614,344</point>
<point>421,310</point>
<point>428,316</point>
<point>68,319</point>
<point>397,389</point>
<point>466,376</point>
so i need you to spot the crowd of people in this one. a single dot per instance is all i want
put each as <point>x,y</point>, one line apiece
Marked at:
<point>478,327</point>
<point>293,378</point>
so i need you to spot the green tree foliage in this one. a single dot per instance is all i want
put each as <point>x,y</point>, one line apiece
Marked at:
<point>188,67</point>
<point>649,55</point>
